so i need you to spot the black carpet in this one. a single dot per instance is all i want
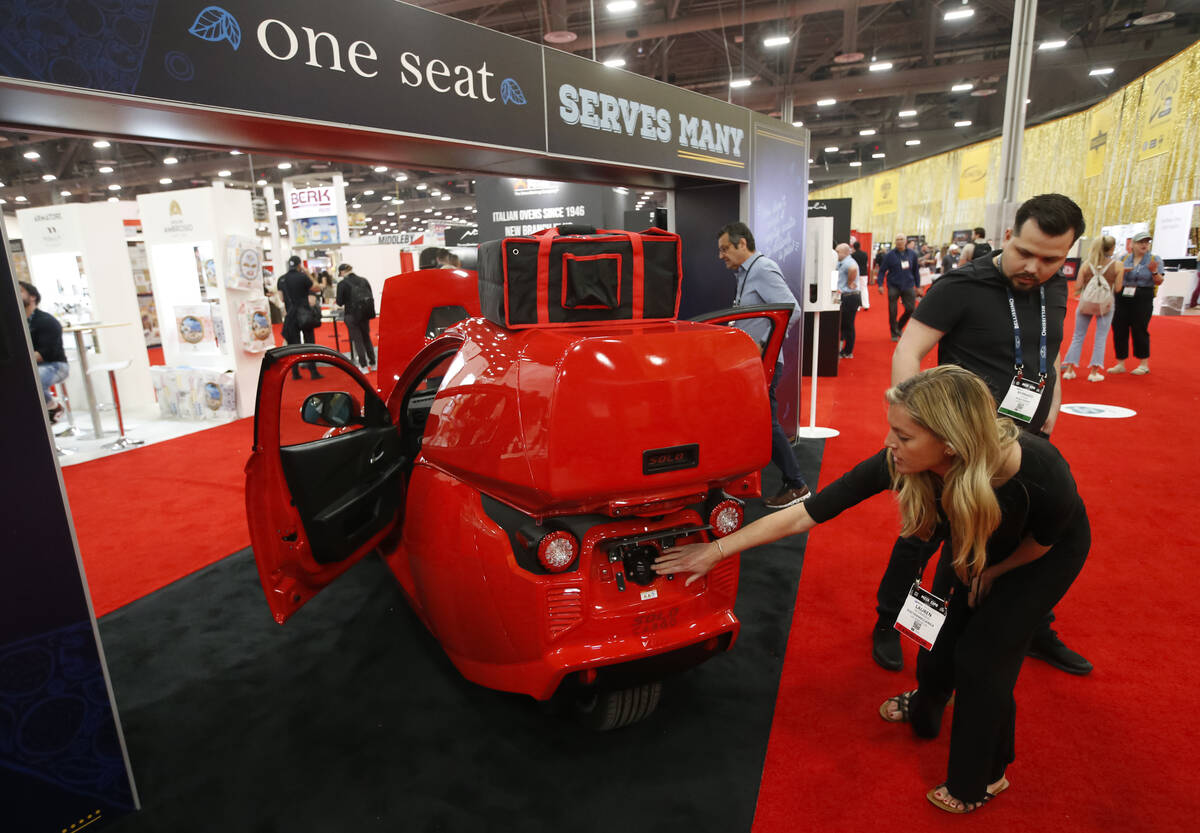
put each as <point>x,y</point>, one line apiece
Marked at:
<point>350,717</point>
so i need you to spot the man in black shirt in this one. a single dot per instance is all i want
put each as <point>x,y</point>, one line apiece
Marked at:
<point>982,247</point>
<point>860,258</point>
<point>302,317</point>
<point>46,335</point>
<point>968,315</point>
<point>355,297</point>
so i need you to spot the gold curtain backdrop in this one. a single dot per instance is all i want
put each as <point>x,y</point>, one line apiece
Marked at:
<point>1143,142</point>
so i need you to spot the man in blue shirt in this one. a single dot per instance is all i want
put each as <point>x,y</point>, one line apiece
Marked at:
<point>759,281</point>
<point>901,271</point>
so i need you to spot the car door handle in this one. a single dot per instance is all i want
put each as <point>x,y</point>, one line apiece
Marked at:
<point>376,455</point>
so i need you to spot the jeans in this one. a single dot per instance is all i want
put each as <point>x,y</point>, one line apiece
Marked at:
<point>782,453</point>
<point>851,301</point>
<point>1103,322</point>
<point>51,373</point>
<point>909,297</point>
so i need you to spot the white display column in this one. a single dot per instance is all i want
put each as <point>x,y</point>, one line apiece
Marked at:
<point>79,261</point>
<point>191,246</point>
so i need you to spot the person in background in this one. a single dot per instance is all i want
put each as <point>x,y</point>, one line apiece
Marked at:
<point>967,254</point>
<point>901,272</point>
<point>760,281</point>
<point>448,259</point>
<point>860,259</point>
<point>428,258</point>
<point>46,334</point>
<point>354,295</point>
<point>296,287</point>
<point>325,284</point>
<point>851,299</point>
<point>1020,536</point>
<point>969,316</point>
<point>880,252</point>
<point>982,246</point>
<point>1100,262</point>
<point>950,260</point>
<point>1135,305</point>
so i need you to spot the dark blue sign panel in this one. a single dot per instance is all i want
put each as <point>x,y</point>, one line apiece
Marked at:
<point>379,64</point>
<point>62,764</point>
<point>598,112</point>
<point>779,203</point>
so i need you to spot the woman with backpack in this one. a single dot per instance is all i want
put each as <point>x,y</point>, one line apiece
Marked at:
<point>1099,279</point>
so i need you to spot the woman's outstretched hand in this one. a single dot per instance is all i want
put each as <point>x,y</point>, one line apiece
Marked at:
<point>696,559</point>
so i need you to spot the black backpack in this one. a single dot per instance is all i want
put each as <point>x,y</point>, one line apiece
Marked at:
<point>362,300</point>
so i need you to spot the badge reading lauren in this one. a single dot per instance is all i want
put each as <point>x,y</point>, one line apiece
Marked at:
<point>922,616</point>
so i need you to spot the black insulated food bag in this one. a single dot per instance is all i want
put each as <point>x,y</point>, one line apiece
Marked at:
<point>574,275</point>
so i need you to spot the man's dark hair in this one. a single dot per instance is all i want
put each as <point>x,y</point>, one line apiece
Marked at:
<point>428,258</point>
<point>32,290</point>
<point>737,233</point>
<point>294,261</point>
<point>1054,214</point>
<point>857,246</point>
<point>345,267</point>
<point>979,232</point>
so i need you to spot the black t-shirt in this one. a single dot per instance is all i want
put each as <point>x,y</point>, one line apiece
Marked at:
<point>294,286</point>
<point>1040,500</point>
<point>46,334</point>
<point>982,249</point>
<point>860,257</point>
<point>970,306</point>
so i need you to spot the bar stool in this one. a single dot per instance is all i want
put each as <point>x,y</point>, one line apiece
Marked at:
<point>111,368</point>
<point>60,391</point>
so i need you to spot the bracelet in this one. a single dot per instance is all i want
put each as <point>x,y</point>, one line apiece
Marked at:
<point>720,549</point>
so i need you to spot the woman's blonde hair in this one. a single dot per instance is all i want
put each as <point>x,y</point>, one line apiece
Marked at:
<point>1101,247</point>
<point>957,407</point>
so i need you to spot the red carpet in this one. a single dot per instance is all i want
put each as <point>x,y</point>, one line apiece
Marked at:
<point>1111,751</point>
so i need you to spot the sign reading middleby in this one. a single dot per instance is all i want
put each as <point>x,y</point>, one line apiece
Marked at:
<point>376,64</point>
<point>598,112</point>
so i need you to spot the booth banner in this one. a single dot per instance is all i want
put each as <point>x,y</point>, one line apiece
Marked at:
<point>1176,228</point>
<point>596,112</point>
<point>972,173</point>
<point>312,202</point>
<point>887,194</point>
<point>254,318</point>
<point>1156,117</point>
<point>1100,136</point>
<point>243,262</point>
<point>515,207</point>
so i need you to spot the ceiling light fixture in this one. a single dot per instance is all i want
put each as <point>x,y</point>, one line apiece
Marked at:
<point>170,160</point>
<point>380,169</point>
<point>615,62</point>
<point>235,153</point>
<point>386,198</point>
<point>114,187</point>
<point>962,88</point>
<point>913,142</point>
<point>166,180</point>
<point>64,193</point>
<point>831,149</point>
<point>31,154</point>
<point>826,102</point>
<point>856,164</point>
<point>882,66</point>
<point>21,199</point>
<point>867,132</point>
<point>959,14</point>
<point>776,40</point>
<point>445,197</point>
<point>401,177</point>
<point>224,173</point>
<point>114,199</point>
<point>739,83</point>
<point>368,193</point>
<point>105,169</point>
<point>1051,44</point>
<point>904,114</point>
<point>1101,71</point>
<point>421,186</point>
<point>101,143</point>
<point>284,166</point>
<point>261,182</point>
<point>878,155</point>
<point>797,123</point>
<point>621,6</point>
<point>48,177</point>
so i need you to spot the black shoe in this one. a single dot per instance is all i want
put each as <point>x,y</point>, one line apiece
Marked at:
<point>1047,647</point>
<point>886,649</point>
<point>317,375</point>
<point>55,412</point>
<point>787,496</point>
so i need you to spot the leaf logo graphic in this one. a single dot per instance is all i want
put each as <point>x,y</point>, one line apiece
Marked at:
<point>215,24</point>
<point>511,92</point>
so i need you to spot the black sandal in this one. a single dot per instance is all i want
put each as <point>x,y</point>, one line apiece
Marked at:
<point>967,806</point>
<point>902,703</point>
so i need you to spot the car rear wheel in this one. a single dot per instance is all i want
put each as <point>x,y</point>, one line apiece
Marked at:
<point>606,710</point>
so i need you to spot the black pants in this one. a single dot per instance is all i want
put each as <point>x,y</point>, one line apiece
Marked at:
<point>851,301</point>
<point>782,453</point>
<point>294,335</point>
<point>909,297</point>
<point>362,352</point>
<point>979,654</point>
<point>1131,317</point>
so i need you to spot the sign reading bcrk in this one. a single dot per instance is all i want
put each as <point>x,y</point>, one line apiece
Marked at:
<point>312,202</point>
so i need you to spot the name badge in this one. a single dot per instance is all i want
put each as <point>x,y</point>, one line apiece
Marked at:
<point>1022,400</point>
<point>904,264</point>
<point>1129,291</point>
<point>922,616</point>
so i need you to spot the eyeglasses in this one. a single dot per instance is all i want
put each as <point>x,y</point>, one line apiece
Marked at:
<point>725,247</point>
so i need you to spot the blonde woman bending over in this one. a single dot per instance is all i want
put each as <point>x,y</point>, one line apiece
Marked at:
<point>1019,536</point>
<point>1100,263</point>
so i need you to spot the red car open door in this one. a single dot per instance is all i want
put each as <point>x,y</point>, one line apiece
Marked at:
<point>776,315</point>
<point>325,482</point>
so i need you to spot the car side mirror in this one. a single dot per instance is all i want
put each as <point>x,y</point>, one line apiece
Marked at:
<point>333,409</point>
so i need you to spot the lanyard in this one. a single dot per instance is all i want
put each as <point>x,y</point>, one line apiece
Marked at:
<point>737,302</point>
<point>1020,362</point>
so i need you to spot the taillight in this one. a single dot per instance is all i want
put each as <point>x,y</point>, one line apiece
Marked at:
<point>557,550</point>
<point>726,517</point>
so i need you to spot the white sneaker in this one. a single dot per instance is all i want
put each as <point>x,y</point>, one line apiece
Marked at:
<point>1095,376</point>
<point>1069,372</point>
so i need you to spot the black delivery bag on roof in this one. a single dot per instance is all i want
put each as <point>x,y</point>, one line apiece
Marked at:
<point>572,275</point>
